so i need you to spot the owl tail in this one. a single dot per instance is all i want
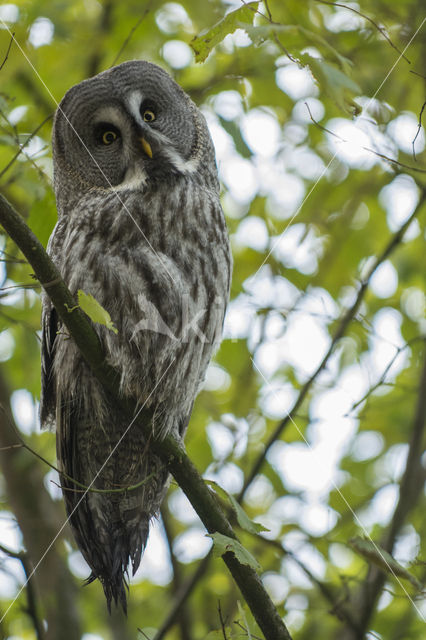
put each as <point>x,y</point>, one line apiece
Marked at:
<point>111,538</point>
<point>110,526</point>
<point>114,573</point>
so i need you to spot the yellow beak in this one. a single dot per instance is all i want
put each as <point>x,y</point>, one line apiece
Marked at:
<point>146,147</point>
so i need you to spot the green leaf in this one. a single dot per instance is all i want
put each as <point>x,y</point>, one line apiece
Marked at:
<point>381,558</point>
<point>203,44</point>
<point>234,131</point>
<point>223,544</point>
<point>95,311</point>
<point>242,518</point>
<point>336,84</point>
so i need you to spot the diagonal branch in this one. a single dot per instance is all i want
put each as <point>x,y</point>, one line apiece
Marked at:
<point>170,450</point>
<point>8,51</point>
<point>32,608</point>
<point>24,144</point>
<point>132,31</point>
<point>380,29</point>
<point>328,592</point>
<point>183,613</point>
<point>410,489</point>
<point>182,595</point>
<point>102,30</point>
<point>342,326</point>
<point>30,501</point>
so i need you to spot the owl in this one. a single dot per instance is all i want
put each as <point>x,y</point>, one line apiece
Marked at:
<point>140,228</point>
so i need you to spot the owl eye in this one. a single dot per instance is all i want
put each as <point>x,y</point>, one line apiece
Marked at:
<point>106,133</point>
<point>148,115</point>
<point>108,137</point>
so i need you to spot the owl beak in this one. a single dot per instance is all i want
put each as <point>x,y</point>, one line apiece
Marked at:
<point>146,147</point>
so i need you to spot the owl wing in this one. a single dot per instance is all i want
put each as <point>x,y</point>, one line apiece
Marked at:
<point>50,326</point>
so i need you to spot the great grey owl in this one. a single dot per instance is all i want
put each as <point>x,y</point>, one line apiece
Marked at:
<point>140,228</point>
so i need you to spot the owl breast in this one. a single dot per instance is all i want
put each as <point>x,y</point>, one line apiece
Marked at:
<point>159,263</point>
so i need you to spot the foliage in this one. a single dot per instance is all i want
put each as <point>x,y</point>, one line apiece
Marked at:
<point>94,310</point>
<point>304,101</point>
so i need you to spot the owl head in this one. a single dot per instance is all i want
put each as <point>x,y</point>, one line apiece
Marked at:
<point>127,128</point>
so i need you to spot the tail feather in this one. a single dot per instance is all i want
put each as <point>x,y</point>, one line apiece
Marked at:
<point>110,564</point>
<point>111,529</point>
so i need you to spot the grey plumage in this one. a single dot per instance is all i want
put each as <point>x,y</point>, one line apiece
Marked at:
<point>140,227</point>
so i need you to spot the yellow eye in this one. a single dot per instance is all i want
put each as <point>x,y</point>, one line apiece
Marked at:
<point>148,115</point>
<point>108,137</point>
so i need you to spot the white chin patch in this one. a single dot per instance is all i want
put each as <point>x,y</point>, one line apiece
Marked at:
<point>134,179</point>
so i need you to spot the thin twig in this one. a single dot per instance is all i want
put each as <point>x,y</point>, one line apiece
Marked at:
<point>242,627</point>
<point>411,483</point>
<point>132,30</point>
<point>381,380</point>
<point>22,146</point>
<point>23,558</point>
<point>378,27</point>
<point>11,446</point>
<point>13,258</point>
<point>419,126</point>
<point>268,11</point>
<point>320,126</point>
<point>16,135</point>
<point>12,554</point>
<point>222,622</point>
<point>376,153</point>
<point>278,42</point>
<point>182,596</point>
<point>345,320</point>
<point>22,323</point>
<point>23,285</point>
<point>7,261</point>
<point>410,488</point>
<point>83,487</point>
<point>392,161</point>
<point>94,60</point>
<point>8,51</point>
<point>416,73</point>
<point>327,591</point>
<point>184,618</point>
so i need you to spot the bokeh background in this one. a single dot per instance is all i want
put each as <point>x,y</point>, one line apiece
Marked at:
<point>313,412</point>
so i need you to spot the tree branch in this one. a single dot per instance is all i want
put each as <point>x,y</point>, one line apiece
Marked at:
<point>32,608</point>
<point>8,51</point>
<point>31,503</point>
<point>380,29</point>
<point>103,29</point>
<point>170,450</point>
<point>22,146</point>
<point>327,591</point>
<point>411,487</point>
<point>182,595</point>
<point>342,326</point>
<point>132,30</point>
<point>183,614</point>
